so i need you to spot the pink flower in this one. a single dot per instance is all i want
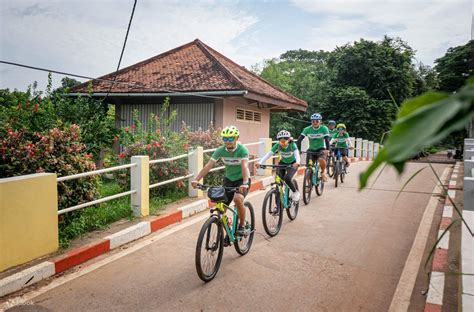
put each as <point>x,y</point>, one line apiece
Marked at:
<point>116,138</point>
<point>158,131</point>
<point>122,155</point>
<point>126,129</point>
<point>148,146</point>
<point>133,126</point>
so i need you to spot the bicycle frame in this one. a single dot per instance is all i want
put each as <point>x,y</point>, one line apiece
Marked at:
<point>283,190</point>
<point>230,229</point>
<point>315,168</point>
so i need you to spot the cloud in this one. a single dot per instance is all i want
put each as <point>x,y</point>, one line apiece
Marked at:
<point>430,27</point>
<point>86,37</point>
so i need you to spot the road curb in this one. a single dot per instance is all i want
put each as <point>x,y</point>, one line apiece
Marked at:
<point>434,298</point>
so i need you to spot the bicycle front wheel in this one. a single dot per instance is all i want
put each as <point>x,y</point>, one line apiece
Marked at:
<point>243,244</point>
<point>209,249</point>
<point>271,213</point>
<point>307,185</point>
<point>292,211</point>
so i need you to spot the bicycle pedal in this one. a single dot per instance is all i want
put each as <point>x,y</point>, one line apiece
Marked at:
<point>226,241</point>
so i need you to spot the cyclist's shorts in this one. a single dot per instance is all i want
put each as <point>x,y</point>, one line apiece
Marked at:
<point>344,151</point>
<point>230,194</point>
<point>315,155</point>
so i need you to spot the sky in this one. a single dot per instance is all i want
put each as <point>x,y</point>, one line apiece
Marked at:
<point>85,37</point>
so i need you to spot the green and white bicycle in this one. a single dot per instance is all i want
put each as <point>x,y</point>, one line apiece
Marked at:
<point>219,231</point>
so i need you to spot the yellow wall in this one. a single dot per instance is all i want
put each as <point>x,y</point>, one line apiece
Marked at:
<point>28,218</point>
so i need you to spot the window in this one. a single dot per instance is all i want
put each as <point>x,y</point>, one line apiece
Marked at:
<point>248,115</point>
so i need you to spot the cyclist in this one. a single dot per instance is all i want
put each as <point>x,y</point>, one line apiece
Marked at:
<point>289,155</point>
<point>332,128</point>
<point>235,157</point>
<point>318,136</point>
<point>342,141</point>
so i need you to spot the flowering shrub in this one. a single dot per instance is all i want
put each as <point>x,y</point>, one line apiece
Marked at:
<point>152,141</point>
<point>210,138</point>
<point>60,151</point>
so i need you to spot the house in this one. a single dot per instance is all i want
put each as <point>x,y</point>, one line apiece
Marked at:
<point>203,85</point>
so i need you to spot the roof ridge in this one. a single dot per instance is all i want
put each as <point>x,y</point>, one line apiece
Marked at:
<point>248,71</point>
<point>205,48</point>
<point>120,71</point>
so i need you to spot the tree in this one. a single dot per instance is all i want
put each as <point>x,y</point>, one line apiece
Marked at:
<point>302,73</point>
<point>364,117</point>
<point>376,67</point>
<point>455,67</point>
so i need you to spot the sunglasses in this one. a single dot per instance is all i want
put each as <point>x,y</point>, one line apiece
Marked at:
<point>228,139</point>
<point>340,129</point>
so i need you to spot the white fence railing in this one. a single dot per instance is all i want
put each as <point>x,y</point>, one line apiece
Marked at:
<point>140,166</point>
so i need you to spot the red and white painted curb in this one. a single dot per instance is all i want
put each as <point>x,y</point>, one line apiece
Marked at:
<point>82,254</point>
<point>434,299</point>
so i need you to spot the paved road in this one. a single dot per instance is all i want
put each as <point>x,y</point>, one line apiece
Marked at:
<point>344,252</point>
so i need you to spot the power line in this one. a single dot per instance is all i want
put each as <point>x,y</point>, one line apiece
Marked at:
<point>131,84</point>
<point>123,50</point>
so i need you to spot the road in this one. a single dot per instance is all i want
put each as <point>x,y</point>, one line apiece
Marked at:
<point>345,252</point>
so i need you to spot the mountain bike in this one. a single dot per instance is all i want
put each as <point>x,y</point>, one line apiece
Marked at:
<point>340,169</point>
<point>219,231</point>
<point>312,177</point>
<point>277,199</point>
<point>330,163</point>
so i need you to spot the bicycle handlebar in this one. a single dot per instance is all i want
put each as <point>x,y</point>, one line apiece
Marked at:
<point>205,187</point>
<point>276,166</point>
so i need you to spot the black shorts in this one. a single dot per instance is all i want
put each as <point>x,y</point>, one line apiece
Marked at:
<point>315,155</point>
<point>230,194</point>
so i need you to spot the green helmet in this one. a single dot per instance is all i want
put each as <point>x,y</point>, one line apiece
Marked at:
<point>230,132</point>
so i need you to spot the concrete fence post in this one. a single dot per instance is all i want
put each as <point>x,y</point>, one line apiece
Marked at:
<point>358,148</point>
<point>195,164</point>
<point>376,149</point>
<point>371,150</point>
<point>140,181</point>
<point>364,149</point>
<point>263,148</point>
<point>468,153</point>
<point>351,152</point>
<point>28,218</point>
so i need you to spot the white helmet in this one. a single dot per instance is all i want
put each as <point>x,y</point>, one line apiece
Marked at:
<point>283,134</point>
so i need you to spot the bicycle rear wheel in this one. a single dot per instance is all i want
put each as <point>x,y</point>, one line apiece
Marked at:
<point>330,166</point>
<point>271,213</point>
<point>209,249</point>
<point>319,187</point>
<point>243,244</point>
<point>292,211</point>
<point>343,172</point>
<point>307,185</point>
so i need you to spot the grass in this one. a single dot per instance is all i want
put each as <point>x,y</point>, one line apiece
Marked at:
<point>99,216</point>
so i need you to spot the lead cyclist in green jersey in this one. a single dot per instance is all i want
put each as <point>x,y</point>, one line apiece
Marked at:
<point>236,160</point>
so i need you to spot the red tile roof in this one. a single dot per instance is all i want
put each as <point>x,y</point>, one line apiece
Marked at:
<point>189,68</point>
